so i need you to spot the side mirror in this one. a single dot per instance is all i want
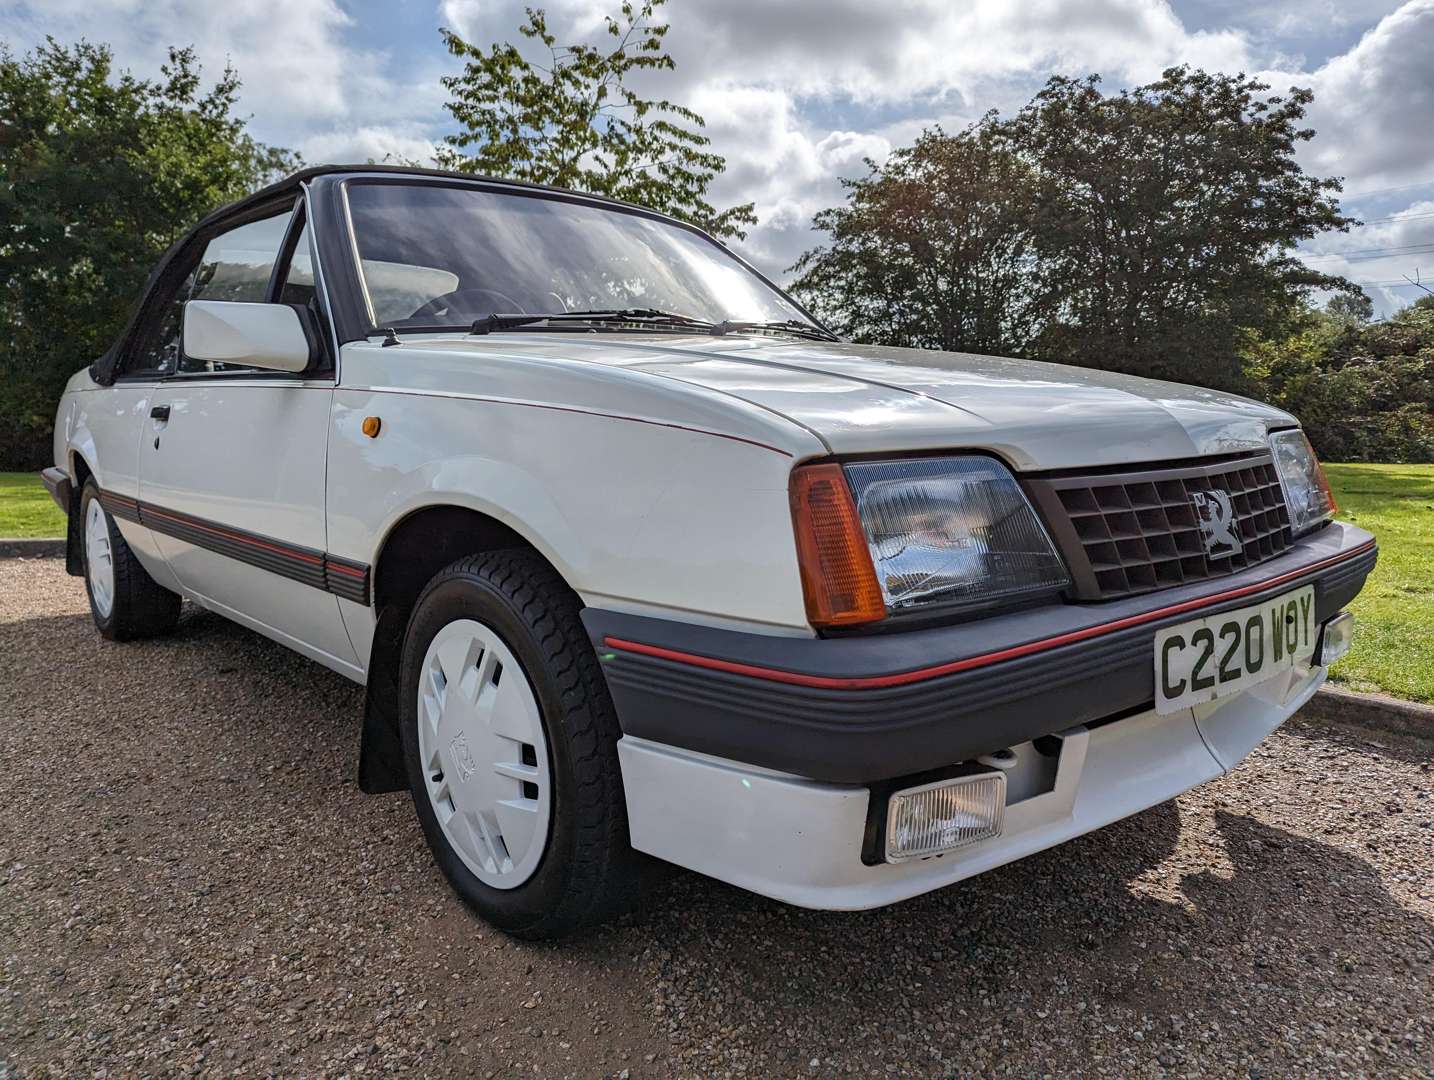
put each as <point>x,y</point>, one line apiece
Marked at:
<point>268,336</point>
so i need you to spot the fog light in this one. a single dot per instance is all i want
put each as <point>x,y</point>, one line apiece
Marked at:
<point>1337,639</point>
<point>943,816</point>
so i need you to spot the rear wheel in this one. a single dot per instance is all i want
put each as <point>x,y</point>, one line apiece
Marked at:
<point>125,601</point>
<point>510,741</point>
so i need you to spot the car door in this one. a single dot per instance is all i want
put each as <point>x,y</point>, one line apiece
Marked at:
<point>110,422</point>
<point>233,464</point>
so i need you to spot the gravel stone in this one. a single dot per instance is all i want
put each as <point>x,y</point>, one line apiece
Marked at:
<point>192,884</point>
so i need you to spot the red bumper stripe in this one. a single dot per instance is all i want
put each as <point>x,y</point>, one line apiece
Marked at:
<point>874,682</point>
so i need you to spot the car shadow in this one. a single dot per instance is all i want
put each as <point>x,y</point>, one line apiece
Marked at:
<point>1116,924</point>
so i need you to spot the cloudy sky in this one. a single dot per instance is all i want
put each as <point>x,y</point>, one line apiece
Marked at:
<point>797,92</point>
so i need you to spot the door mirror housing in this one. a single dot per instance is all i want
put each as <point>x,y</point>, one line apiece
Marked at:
<point>272,337</point>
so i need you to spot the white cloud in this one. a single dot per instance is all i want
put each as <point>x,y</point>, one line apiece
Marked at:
<point>1382,254</point>
<point>895,51</point>
<point>789,170</point>
<point>392,145</point>
<point>461,16</point>
<point>480,22</point>
<point>287,54</point>
<point>796,92</point>
<point>758,71</point>
<point>306,81</point>
<point>1373,104</point>
<point>933,62</point>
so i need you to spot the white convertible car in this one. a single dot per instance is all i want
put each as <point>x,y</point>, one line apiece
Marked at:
<point>632,555</point>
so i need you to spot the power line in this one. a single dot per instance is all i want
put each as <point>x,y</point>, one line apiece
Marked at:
<point>1387,190</point>
<point>1365,254</point>
<point>1396,217</point>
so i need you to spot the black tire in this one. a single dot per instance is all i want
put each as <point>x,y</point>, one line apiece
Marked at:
<point>141,607</point>
<point>588,873</point>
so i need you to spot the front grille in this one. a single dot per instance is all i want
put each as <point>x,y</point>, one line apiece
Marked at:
<point>1133,532</point>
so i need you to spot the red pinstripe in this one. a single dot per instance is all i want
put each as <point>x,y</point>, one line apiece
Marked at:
<point>288,553</point>
<point>874,682</point>
<point>580,412</point>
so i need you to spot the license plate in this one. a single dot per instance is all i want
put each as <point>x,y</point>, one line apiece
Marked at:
<point>1205,659</point>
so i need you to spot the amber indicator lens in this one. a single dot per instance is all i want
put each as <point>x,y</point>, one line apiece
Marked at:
<point>837,575</point>
<point>371,426</point>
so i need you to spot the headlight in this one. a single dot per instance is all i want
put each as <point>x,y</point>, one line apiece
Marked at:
<point>1307,495</point>
<point>895,536</point>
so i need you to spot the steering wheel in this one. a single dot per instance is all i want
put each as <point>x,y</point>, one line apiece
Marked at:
<point>462,299</point>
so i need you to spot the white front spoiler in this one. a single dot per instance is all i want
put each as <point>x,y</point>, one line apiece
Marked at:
<point>800,841</point>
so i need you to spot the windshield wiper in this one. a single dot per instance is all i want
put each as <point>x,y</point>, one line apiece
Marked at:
<point>646,316</point>
<point>786,326</point>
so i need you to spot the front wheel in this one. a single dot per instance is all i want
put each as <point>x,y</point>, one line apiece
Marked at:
<point>510,741</point>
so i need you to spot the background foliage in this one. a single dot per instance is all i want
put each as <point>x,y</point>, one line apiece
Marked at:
<point>1165,220</point>
<point>1363,390</point>
<point>99,173</point>
<point>933,250</point>
<point>1149,231</point>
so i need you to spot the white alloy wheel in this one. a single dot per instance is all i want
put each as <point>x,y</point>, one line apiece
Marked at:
<point>99,559</point>
<point>483,753</point>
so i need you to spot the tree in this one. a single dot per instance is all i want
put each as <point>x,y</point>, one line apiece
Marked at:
<point>99,173</point>
<point>933,249</point>
<point>1364,391</point>
<point>1166,221</point>
<point>1353,307</point>
<point>1149,232</point>
<point>575,123</point>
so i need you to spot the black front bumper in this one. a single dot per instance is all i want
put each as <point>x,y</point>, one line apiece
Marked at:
<point>859,709</point>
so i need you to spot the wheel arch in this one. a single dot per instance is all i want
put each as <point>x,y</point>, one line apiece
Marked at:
<point>427,538</point>
<point>414,549</point>
<point>80,471</point>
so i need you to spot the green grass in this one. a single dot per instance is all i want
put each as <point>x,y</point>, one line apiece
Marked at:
<point>1394,634</point>
<point>1393,645</point>
<point>26,508</point>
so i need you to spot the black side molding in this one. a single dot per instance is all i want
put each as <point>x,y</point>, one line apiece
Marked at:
<point>344,578</point>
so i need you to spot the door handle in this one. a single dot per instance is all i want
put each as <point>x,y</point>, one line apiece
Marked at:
<point>159,412</point>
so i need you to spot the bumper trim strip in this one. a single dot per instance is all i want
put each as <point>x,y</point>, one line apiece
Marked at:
<point>904,678</point>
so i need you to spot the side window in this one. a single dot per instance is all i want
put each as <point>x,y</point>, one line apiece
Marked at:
<point>157,352</point>
<point>297,284</point>
<point>237,266</point>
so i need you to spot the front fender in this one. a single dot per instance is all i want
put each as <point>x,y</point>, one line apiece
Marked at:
<point>635,515</point>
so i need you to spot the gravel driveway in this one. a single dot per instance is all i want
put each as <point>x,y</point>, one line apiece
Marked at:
<point>190,882</point>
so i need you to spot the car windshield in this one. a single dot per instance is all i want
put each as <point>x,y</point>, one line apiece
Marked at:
<point>436,255</point>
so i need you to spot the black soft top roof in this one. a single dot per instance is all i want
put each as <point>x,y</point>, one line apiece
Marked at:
<point>105,369</point>
<point>291,184</point>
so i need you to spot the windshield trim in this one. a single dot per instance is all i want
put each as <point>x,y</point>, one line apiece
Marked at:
<point>552,194</point>
<point>773,334</point>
